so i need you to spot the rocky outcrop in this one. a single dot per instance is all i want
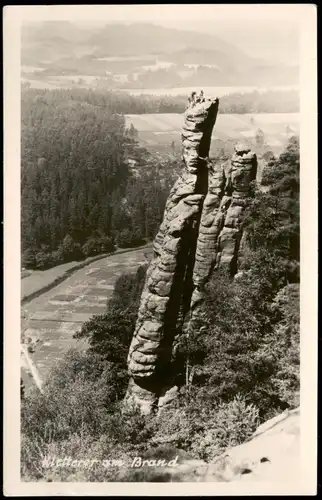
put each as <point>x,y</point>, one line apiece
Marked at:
<point>241,175</point>
<point>220,229</point>
<point>201,230</point>
<point>165,299</point>
<point>272,454</point>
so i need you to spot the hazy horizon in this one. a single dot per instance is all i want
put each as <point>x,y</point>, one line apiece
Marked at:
<point>266,32</point>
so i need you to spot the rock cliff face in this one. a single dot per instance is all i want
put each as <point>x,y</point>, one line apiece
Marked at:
<point>201,231</point>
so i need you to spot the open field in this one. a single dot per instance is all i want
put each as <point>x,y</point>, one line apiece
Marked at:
<point>57,314</point>
<point>42,81</point>
<point>161,129</point>
<point>226,124</point>
<point>209,91</point>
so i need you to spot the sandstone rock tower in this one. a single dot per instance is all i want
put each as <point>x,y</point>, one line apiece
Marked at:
<point>201,230</point>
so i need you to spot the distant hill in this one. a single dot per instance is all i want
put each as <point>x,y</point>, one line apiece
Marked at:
<point>121,40</point>
<point>175,57</point>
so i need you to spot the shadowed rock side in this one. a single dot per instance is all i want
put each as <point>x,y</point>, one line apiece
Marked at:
<point>168,286</point>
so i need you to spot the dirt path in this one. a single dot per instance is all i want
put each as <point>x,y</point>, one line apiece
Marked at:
<point>55,315</point>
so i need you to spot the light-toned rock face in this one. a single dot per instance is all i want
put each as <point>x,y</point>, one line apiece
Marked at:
<point>163,300</point>
<point>240,176</point>
<point>201,230</point>
<point>271,455</point>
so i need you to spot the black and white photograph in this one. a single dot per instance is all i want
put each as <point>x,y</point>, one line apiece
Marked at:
<point>162,152</point>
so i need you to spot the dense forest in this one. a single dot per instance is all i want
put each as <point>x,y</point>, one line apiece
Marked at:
<point>79,194</point>
<point>269,101</point>
<point>243,357</point>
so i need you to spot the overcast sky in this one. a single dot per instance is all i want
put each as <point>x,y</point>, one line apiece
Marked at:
<point>269,31</point>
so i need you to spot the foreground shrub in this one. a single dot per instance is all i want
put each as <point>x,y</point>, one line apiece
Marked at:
<point>205,431</point>
<point>76,398</point>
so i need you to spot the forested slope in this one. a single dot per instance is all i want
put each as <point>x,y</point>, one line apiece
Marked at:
<point>79,196</point>
<point>242,358</point>
<point>268,101</point>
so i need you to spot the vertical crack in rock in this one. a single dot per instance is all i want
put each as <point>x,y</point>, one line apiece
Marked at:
<point>168,287</point>
<point>211,224</point>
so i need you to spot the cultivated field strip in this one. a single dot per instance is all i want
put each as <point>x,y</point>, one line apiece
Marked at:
<point>163,128</point>
<point>57,314</point>
<point>226,123</point>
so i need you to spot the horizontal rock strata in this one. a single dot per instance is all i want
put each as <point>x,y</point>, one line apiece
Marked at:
<point>220,231</point>
<point>240,178</point>
<point>164,299</point>
<point>200,232</point>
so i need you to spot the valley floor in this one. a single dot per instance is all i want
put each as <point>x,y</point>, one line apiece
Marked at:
<point>50,319</point>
